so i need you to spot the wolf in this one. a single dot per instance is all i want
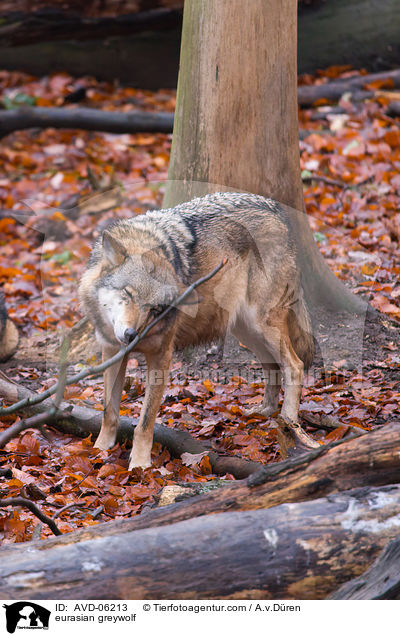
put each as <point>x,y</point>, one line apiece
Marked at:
<point>8,333</point>
<point>139,266</point>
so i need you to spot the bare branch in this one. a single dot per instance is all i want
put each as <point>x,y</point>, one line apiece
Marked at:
<point>67,507</point>
<point>36,421</point>
<point>97,370</point>
<point>81,421</point>
<point>21,501</point>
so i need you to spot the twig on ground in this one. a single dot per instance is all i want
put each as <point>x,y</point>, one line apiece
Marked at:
<point>328,423</point>
<point>37,421</point>
<point>75,486</point>
<point>21,501</point>
<point>81,421</point>
<point>335,182</point>
<point>64,508</point>
<point>323,179</point>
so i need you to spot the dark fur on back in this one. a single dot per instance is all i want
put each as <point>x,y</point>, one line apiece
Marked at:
<point>241,223</point>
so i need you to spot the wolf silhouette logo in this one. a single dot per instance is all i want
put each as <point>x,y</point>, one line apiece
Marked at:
<point>26,615</point>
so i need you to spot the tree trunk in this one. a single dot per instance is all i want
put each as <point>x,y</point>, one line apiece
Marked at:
<point>294,551</point>
<point>236,124</point>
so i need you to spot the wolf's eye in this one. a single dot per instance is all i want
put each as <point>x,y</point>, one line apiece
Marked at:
<point>158,309</point>
<point>127,294</point>
<point>155,310</point>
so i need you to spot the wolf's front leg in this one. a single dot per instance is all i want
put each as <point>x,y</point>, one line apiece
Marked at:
<point>113,384</point>
<point>157,375</point>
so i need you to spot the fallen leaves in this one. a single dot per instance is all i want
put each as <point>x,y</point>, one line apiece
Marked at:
<point>354,214</point>
<point>360,148</point>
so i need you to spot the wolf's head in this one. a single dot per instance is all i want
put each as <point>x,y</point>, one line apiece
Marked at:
<point>135,288</point>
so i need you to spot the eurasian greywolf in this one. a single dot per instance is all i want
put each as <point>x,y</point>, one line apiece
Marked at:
<point>138,266</point>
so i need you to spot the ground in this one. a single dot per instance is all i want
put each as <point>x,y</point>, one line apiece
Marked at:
<point>353,212</point>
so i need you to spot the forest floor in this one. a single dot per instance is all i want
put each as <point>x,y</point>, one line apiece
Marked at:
<point>353,212</point>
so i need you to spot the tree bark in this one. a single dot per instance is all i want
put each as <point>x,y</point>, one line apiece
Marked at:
<point>236,124</point>
<point>293,551</point>
<point>84,119</point>
<point>380,581</point>
<point>372,460</point>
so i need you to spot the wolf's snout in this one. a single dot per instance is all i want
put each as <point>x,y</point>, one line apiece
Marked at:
<point>130,334</point>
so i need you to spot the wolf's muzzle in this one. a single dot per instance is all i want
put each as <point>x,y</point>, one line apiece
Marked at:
<point>130,334</point>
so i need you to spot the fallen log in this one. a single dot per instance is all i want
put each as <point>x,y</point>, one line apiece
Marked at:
<point>370,460</point>
<point>82,421</point>
<point>308,95</point>
<point>144,47</point>
<point>394,109</point>
<point>292,551</point>
<point>380,581</point>
<point>84,119</point>
<point>80,21</point>
<point>359,33</point>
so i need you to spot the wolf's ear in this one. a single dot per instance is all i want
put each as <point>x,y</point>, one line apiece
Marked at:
<point>113,249</point>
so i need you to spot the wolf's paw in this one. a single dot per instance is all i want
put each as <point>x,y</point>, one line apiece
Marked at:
<point>290,416</point>
<point>139,462</point>
<point>265,411</point>
<point>104,441</point>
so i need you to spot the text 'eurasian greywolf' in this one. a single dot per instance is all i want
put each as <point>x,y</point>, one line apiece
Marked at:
<point>138,266</point>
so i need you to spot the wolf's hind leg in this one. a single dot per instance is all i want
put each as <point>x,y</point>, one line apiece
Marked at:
<point>113,384</point>
<point>292,367</point>
<point>254,340</point>
<point>272,380</point>
<point>157,375</point>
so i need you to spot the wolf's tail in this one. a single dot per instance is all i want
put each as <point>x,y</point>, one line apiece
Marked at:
<point>9,337</point>
<point>300,331</point>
